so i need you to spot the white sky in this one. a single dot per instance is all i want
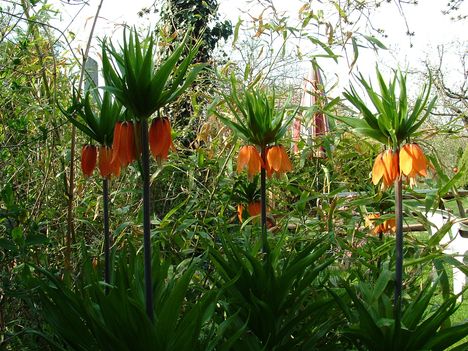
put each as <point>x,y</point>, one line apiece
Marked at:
<point>426,20</point>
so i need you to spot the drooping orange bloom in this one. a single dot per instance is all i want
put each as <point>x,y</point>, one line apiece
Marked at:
<point>123,146</point>
<point>413,162</point>
<point>160,138</point>
<point>88,159</point>
<point>254,208</point>
<point>249,158</point>
<point>105,158</point>
<point>115,166</point>
<point>278,161</point>
<point>131,143</point>
<point>386,168</point>
<point>116,141</point>
<point>240,211</point>
<point>106,166</point>
<point>389,225</point>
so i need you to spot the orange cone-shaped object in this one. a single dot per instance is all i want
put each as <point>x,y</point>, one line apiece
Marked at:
<point>254,208</point>
<point>124,146</point>
<point>88,159</point>
<point>385,168</point>
<point>105,158</point>
<point>240,211</point>
<point>106,166</point>
<point>160,138</point>
<point>389,225</point>
<point>249,158</point>
<point>116,141</point>
<point>278,161</point>
<point>413,162</point>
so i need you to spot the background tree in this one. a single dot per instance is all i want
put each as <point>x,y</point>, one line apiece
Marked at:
<point>447,127</point>
<point>202,18</point>
<point>188,114</point>
<point>453,10</point>
<point>453,94</point>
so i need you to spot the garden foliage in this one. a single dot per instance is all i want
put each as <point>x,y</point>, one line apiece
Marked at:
<point>190,253</point>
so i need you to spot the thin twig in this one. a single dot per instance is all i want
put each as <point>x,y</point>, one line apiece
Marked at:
<point>71,183</point>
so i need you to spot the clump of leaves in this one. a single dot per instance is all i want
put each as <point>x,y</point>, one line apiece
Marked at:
<point>257,119</point>
<point>424,325</point>
<point>141,82</point>
<point>86,318</point>
<point>279,301</point>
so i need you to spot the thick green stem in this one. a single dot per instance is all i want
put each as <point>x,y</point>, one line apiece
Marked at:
<point>107,238</point>
<point>146,218</point>
<point>398,251</point>
<point>266,247</point>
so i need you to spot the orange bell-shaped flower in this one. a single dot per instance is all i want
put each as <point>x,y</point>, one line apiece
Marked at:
<point>254,208</point>
<point>105,158</point>
<point>160,138</point>
<point>106,166</point>
<point>386,168</point>
<point>124,146</point>
<point>278,161</point>
<point>240,211</point>
<point>413,162</point>
<point>127,149</point>
<point>249,158</point>
<point>88,159</point>
<point>117,141</point>
<point>389,225</point>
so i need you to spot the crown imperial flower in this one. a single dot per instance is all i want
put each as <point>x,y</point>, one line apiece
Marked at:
<point>240,211</point>
<point>160,138</point>
<point>254,208</point>
<point>106,166</point>
<point>413,162</point>
<point>88,159</point>
<point>386,168</point>
<point>278,161</point>
<point>389,225</point>
<point>249,158</point>
<point>124,146</point>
